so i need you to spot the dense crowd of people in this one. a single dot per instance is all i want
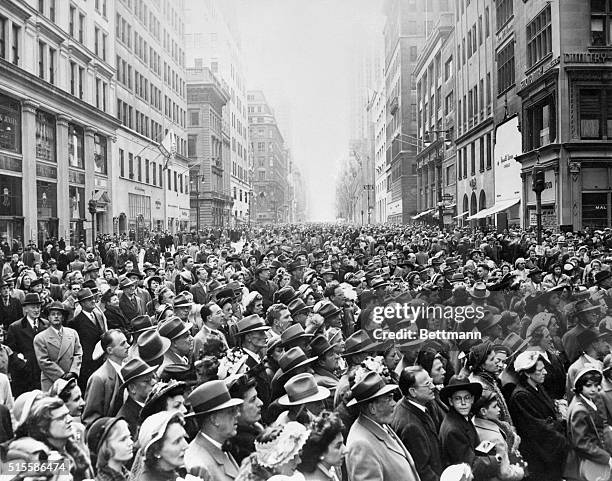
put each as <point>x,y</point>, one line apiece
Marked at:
<point>314,352</point>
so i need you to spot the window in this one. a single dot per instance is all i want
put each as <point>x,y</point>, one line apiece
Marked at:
<point>131,166</point>
<point>482,154</point>
<point>539,37</point>
<point>175,181</point>
<point>100,154</point>
<point>81,83</point>
<point>72,78</point>
<point>154,172</point>
<point>488,151</point>
<point>96,41</point>
<point>191,146</point>
<point>161,177</point>
<point>121,163</point>
<point>76,156</point>
<point>194,117</point>
<point>81,28</point>
<point>41,59</point>
<point>505,68</point>
<point>147,168</point>
<point>413,53</point>
<point>601,22</point>
<point>51,62</point>
<point>52,10</point>
<point>504,12</point>
<point>595,113</point>
<point>480,30</point>
<point>3,23</point>
<point>448,68</point>
<point>71,20</point>
<point>45,136</point>
<point>469,44</point>
<point>473,158</point>
<point>486,22</point>
<point>449,103</point>
<point>488,89</point>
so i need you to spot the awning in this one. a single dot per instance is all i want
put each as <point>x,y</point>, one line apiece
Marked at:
<point>461,215</point>
<point>422,214</point>
<point>498,207</point>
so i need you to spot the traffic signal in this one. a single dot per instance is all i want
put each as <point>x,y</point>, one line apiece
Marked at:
<point>539,181</point>
<point>93,206</point>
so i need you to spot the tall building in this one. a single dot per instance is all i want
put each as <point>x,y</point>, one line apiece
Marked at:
<point>57,125</point>
<point>271,201</point>
<point>406,28</point>
<point>435,77</point>
<point>212,42</point>
<point>152,188</point>
<point>377,109</point>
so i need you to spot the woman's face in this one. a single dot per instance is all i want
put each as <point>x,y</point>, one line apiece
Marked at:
<point>416,281</point>
<point>554,299</point>
<point>310,300</point>
<point>258,309</point>
<point>491,364</point>
<point>591,389</point>
<point>108,275</point>
<point>596,266</point>
<point>335,452</point>
<point>553,326</point>
<point>121,442</point>
<point>26,281</point>
<point>176,403</point>
<point>437,372</point>
<point>172,453</point>
<point>505,269</point>
<point>539,374</point>
<point>557,270</point>
<point>114,301</point>
<point>546,342</point>
<point>154,286</point>
<point>392,358</point>
<point>227,310</point>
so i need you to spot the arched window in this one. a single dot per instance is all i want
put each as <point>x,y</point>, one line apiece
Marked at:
<point>473,204</point>
<point>466,203</point>
<point>482,204</point>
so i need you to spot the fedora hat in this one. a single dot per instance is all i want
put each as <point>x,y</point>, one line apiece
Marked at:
<point>285,295</point>
<point>261,267</point>
<point>293,359</point>
<point>57,306</point>
<point>370,387</point>
<point>252,323</point>
<point>302,389</point>
<point>85,294</point>
<point>153,278</point>
<point>460,384</point>
<point>584,306</point>
<point>488,321</point>
<point>297,306</point>
<point>326,309</point>
<point>294,265</point>
<point>173,327</point>
<point>182,301</point>
<point>319,346</point>
<point>135,273</point>
<point>534,271</point>
<point>357,343</point>
<point>161,310</point>
<point>90,267</point>
<point>378,282</point>
<point>134,369</point>
<point>479,291</point>
<point>140,324</point>
<point>31,298</point>
<point>210,397</point>
<point>125,283</point>
<point>151,345</point>
<point>585,338</point>
<point>293,335</point>
<point>512,344</point>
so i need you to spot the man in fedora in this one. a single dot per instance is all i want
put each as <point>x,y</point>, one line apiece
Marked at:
<point>303,396</point>
<point>374,451</point>
<point>58,349</point>
<point>104,393</point>
<point>326,365</point>
<point>414,424</point>
<point>264,285</point>
<point>458,436</point>
<point>299,311</point>
<point>138,380</point>
<point>293,362</point>
<point>356,349</point>
<point>216,413</point>
<point>130,304</point>
<point>479,295</point>
<point>296,270</point>
<point>181,341</point>
<point>152,347</point>
<point>587,316</point>
<point>89,326</point>
<point>138,325</point>
<point>10,307</point>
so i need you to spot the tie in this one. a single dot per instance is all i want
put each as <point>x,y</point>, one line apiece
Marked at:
<point>35,325</point>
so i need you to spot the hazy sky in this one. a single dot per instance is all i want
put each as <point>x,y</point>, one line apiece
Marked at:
<point>298,53</point>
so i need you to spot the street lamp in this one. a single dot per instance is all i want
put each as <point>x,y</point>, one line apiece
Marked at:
<point>538,185</point>
<point>93,208</point>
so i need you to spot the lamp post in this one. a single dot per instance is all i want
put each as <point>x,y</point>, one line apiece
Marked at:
<point>538,185</point>
<point>93,208</point>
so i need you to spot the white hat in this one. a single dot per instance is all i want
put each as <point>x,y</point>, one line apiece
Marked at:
<point>526,360</point>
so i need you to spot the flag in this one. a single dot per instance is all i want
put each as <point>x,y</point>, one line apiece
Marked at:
<point>168,147</point>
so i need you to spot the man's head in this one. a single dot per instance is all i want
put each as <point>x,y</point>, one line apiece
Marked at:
<point>56,314</point>
<point>335,293</point>
<point>416,385</point>
<point>255,341</point>
<point>115,345</point>
<point>462,401</point>
<point>187,262</point>
<point>278,317</point>
<point>212,315</point>
<point>183,344</point>
<point>250,410</point>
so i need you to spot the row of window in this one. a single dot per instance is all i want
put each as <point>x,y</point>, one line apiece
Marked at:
<point>151,173</point>
<point>485,156</point>
<point>237,194</point>
<point>475,37</point>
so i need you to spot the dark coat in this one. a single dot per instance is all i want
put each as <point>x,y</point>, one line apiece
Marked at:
<point>266,289</point>
<point>418,432</point>
<point>459,440</point>
<point>10,313</point>
<point>20,338</point>
<point>131,308</point>
<point>116,320</point>
<point>543,442</point>
<point>243,443</point>
<point>6,427</point>
<point>200,296</point>
<point>104,395</point>
<point>130,411</point>
<point>89,335</point>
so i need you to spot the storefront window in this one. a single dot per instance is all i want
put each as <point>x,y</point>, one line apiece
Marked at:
<point>45,136</point>
<point>10,124</point>
<point>595,209</point>
<point>46,195</point>
<point>77,202</point>
<point>100,151</point>
<point>10,196</point>
<point>75,146</point>
<point>595,113</point>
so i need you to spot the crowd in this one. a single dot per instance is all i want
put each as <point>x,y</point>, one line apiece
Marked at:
<point>309,352</point>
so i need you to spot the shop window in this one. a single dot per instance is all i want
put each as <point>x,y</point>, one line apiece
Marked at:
<point>45,136</point>
<point>75,146</point>
<point>595,113</point>
<point>10,124</point>
<point>595,209</point>
<point>10,196</point>
<point>542,123</point>
<point>100,154</point>
<point>77,202</point>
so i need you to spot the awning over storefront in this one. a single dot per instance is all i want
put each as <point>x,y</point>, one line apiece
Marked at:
<point>498,207</point>
<point>461,215</point>
<point>422,214</point>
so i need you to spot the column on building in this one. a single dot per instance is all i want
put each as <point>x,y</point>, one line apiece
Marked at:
<point>63,200</point>
<point>28,131</point>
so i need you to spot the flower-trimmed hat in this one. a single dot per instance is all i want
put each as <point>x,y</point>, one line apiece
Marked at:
<point>284,447</point>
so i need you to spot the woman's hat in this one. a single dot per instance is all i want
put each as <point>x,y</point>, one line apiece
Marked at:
<point>210,397</point>
<point>284,447</point>
<point>586,369</point>
<point>154,427</point>
<point>23,405</point>
<point>460,384</point>
<point>302,389</point>
<point>526,360</point>
<point>99,431</point>
<point>159,391</point>
<point>151,345</point>
<point>370,387</point>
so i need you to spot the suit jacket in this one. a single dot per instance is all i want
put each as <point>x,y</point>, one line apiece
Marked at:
<point>459,440</point>
<point>266,289</point>
<point>570,342</point>
<point>211,462</point>
<point>89,335</point>
<point>130,411</point>
<point>103,396</point>
<point>10,313</point>
<point>57,356</point>
<point>200,296</point>
<point>20,338</point>
<point>131,308</point>
<point>376,454</point>
<point>418,432</point>
<point>55,291</point>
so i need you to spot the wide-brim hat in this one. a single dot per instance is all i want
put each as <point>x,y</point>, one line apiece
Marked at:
<point>303,389</point>
<point>151,345</point>
<point>90,267</point>
<point>479,291</point>
<point>138,274</point>
<point>31,298</point>
<point>140,324</point>
<point>252,323</point>
<point>358,343</point>
<point>285,295</point>
<point>160,390</point>
<point>125,282</point>
<point>460,384</point>
<point>173,327</point>
<point>378,282</point>
<point>293,359</point>
<point>370,387</point>
<point>182,301</point>
<point>320,346</point>
<point>134,369</point>
<point>57,306</point>
<point>488,321</point>
<point>210,397</point>
<point>586,369</point>
<point>297,306</point>
<point>526,360</point>
<point>154,278</point>
<point>294,335</point>
<point>326,309</point>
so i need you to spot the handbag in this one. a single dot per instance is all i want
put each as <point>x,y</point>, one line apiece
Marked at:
<point>590,471</point>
